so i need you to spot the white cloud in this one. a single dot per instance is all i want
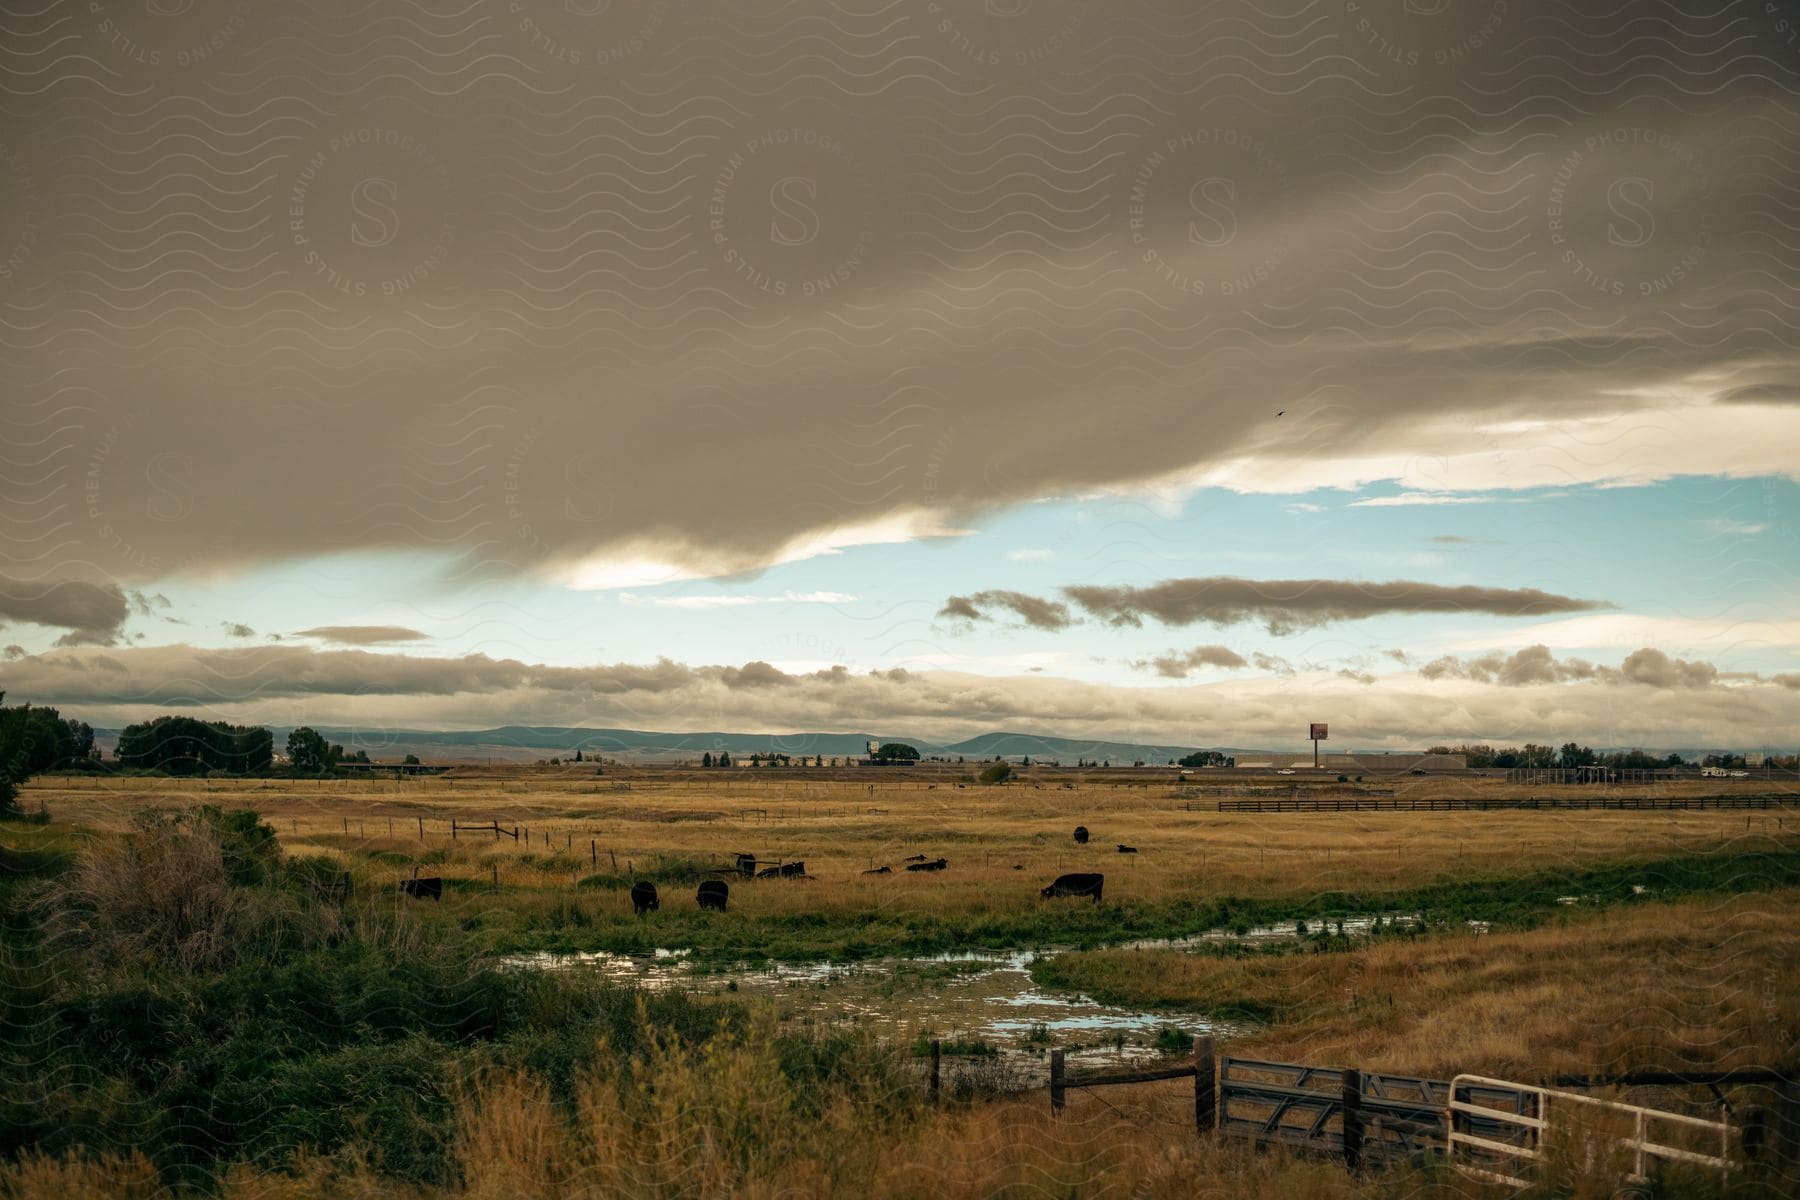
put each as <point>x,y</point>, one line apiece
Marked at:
<point>1725,527</point>
<point>1715,636</point>
<point>734,601</point>
<point>1411,499</point>
<point>649,566</point>
<point>1630,445</point>
<point>1030,554</point>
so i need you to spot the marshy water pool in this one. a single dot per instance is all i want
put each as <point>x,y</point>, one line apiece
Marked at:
<point>976,1000</point>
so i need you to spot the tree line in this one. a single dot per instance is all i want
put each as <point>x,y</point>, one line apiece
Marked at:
<point>36,738</point>
<point>1573,754</point>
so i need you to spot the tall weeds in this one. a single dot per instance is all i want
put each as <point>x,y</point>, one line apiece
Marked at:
<point>172,892</point>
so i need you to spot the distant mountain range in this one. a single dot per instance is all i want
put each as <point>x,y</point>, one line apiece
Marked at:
<point>523,741</point>
<point>526,743</point>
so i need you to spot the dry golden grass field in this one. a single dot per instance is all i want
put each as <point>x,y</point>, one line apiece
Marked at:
<point>1551,941</point>
<point>651,821</point>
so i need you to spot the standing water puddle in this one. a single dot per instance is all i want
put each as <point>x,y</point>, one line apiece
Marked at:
<point>983,999</point>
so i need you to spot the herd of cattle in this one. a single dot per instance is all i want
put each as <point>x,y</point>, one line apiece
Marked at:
<point>714,894</point>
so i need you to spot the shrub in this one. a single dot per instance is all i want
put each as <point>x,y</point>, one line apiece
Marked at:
<point>189,889</point>
<point>999,772</point>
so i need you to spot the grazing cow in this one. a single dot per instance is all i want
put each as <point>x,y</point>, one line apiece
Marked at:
<point>1081,835</point>
<point>746,865</point>
<point>1124,849</point>
<point>793,870</point>
<point>880,871</point>
<point>421,888</point>
<point>1083,884</point>
<point>643,897</point>
<point>936,864</point>
<point>713,894</point>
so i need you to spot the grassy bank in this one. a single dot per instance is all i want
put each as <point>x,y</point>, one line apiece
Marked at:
<point>1708,983</point>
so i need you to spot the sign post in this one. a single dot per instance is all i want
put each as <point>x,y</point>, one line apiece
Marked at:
<point>1319,734</point>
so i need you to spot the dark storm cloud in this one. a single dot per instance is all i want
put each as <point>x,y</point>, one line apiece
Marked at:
<point>1072,246</point>
<point>1289,605</point>
<point>362,635</point>
<point>92,614</point>
<point>1763,393</point>
<point>1035,612</point>
<point>1179,664</point>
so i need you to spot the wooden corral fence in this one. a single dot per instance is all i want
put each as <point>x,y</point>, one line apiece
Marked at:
<point>485,827</point>
<point>1376,1117</point>
<point>1474,803</point>
<point>1200,1070</point>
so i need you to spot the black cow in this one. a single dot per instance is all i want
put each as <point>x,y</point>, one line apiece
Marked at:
<point>936,864</point>
<point>1083,884</point>
<point>746,865</point>
<point>880,871</point>
<point>643,897</point>
<point>713,894</point>
<point>1081,835</point>
<point>421,888</point>
<point>793,870</point>
<point>1124,849</point>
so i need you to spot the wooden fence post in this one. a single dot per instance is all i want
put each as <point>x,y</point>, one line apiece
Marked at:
<point>421,829</point>
<point>1206,1100</point>
<point>1353,1118</point>
<point>1786,1142</point>
<point>937,1067</point>
<point>1755,1131</point>
<point>496,867</point>
<point>593,853</point>
<point>1056,1081</point>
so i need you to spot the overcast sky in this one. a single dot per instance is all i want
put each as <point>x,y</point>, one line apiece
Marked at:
<point>1161,370</point>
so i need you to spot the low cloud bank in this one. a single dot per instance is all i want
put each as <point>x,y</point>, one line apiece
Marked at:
<point>1650,699</point>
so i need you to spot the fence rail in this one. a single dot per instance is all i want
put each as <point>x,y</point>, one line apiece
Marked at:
<point>1533,1130</point>
<point>1200,1070</point>
<point>1310,804</point>
<point>1376,1117</point>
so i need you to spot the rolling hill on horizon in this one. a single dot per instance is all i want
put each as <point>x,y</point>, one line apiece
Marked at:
<point>507,740</point>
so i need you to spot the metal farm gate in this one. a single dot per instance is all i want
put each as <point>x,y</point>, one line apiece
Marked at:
<point>1360,1116</point>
